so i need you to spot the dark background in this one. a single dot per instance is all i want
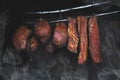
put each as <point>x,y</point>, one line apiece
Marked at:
<point>60,65</point>
<point>34,5</point>
<point>43,5</point>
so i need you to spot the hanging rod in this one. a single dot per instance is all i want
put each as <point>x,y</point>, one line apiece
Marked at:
<point>101,14</point>
<point>69,9</point>
<point>65,20</point>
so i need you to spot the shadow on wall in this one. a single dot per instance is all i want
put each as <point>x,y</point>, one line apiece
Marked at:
<point>63,66</point>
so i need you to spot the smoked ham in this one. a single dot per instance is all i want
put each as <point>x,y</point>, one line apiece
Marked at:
<point>60,34</point>
<point>20,37</point>
<point>43,30</point>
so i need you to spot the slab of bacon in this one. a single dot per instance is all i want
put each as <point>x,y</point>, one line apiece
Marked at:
<point>94,40</point>
<point>72,35</point>
<point>83,36</point>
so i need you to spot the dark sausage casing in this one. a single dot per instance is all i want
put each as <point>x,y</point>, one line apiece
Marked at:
<point>83,36</point>
<point>43,30</point>
<point>20,37</point>
<point>60,34</point>
<point>72,35</point>
<point>94,40</point>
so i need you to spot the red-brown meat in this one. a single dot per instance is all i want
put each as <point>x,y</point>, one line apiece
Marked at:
<point>32,43</point>
<point>20,37</point>
<point>72,36</point>
<point>43,30</point>
<point>50,47</point>
<point>60,34</point>
<point>94,40</point>
<point>82,32</point>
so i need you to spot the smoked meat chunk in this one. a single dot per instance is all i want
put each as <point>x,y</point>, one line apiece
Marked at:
<point>20,37</point>
<point>94,40</point>
<point>72,35</point>
<point>43,30</point>
<point>83,36</point>
<point>60,34</point>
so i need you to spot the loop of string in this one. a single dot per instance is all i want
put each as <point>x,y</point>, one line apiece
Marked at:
<point>93,5</point>
<point>60,14</point>
<point>42,15</point>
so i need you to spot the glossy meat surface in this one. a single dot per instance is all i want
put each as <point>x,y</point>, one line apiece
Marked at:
<point>94,40</point>
<point>32,44</point>
<point>43,30</point>
<point>72,36</point>
<point>20,37</point>
<point>60,35</point>
<point>83,36</point>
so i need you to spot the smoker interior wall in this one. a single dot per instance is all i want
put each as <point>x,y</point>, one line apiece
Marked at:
<point>62,65</point>
<point>4,17</point>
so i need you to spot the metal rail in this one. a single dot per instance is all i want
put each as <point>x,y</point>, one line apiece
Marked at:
<point>101,14</point>
<point>64,20</point>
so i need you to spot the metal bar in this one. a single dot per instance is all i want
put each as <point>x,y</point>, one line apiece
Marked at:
<point>65,20</point>
<point>101,14</point>
<point>69,9</point>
